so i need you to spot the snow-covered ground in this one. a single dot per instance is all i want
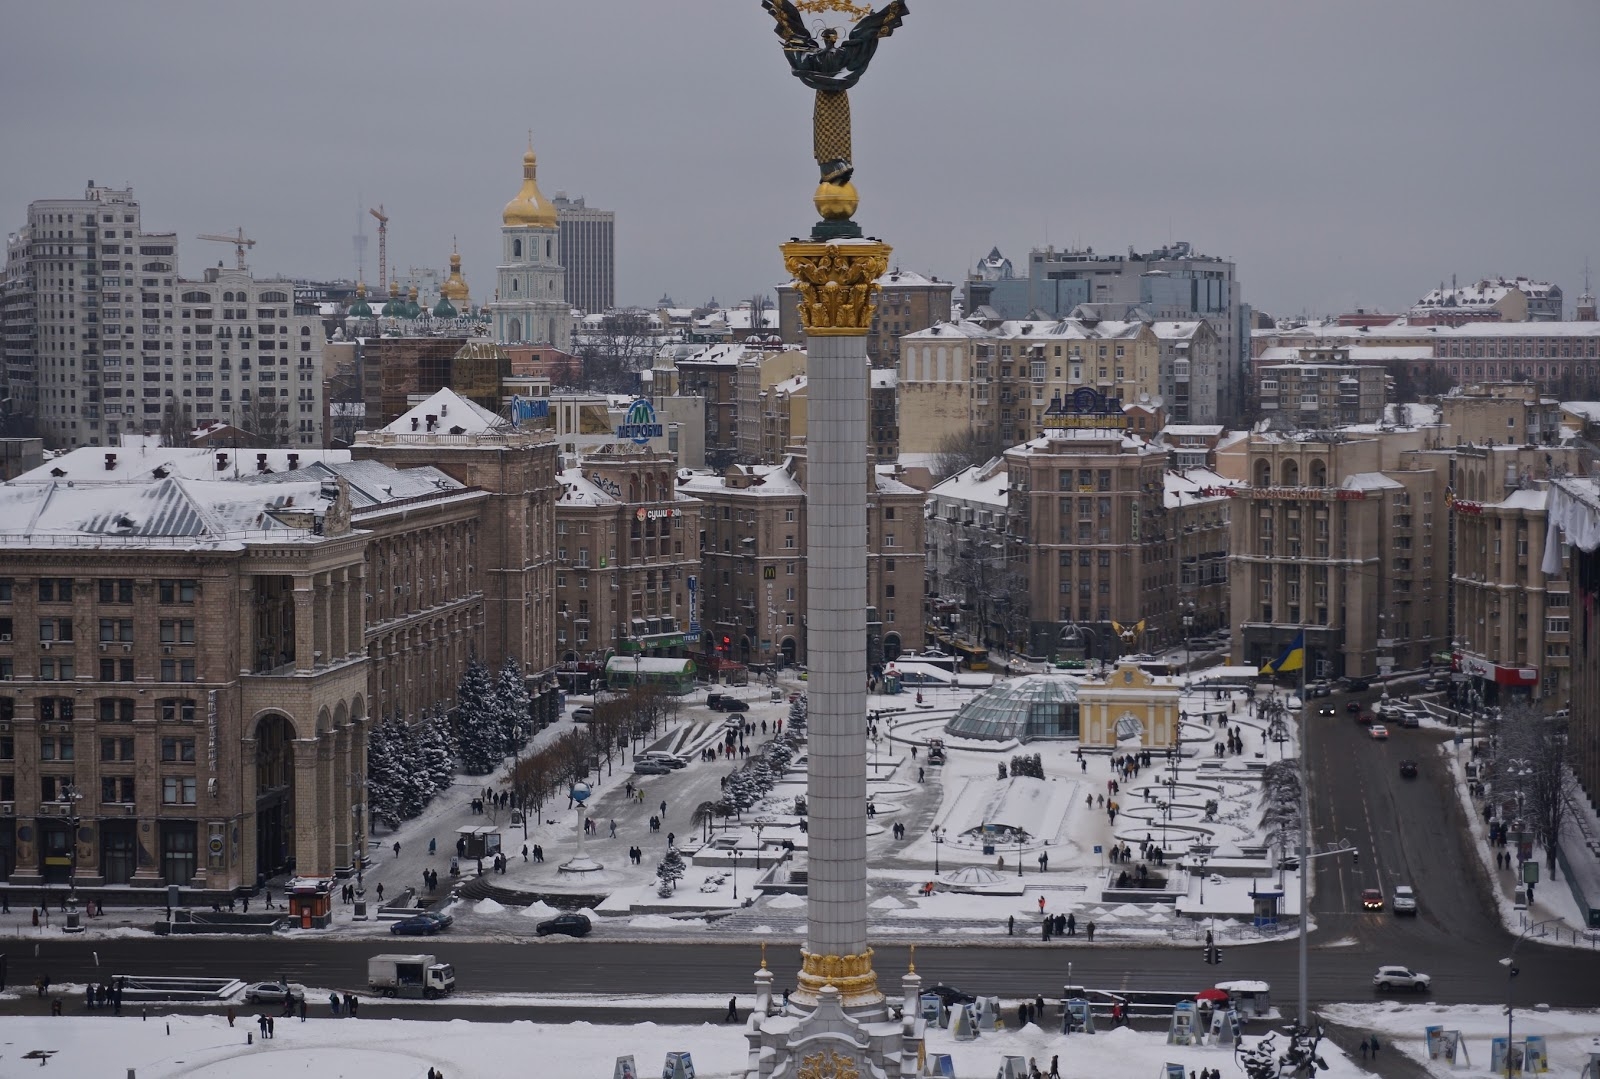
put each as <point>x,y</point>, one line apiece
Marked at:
<point>205,1047</point>
<point>1570,1036</point>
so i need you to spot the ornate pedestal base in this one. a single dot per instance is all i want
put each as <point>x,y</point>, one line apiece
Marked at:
<point>851,975</point>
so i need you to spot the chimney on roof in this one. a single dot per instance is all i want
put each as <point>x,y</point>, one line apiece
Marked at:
<point>415,423</point>
<point>433,421</point>
<point>261,462</point>
<point>222,461</point>
<point>294,461</point>
<point>111,462</point>
<point>444,408</point>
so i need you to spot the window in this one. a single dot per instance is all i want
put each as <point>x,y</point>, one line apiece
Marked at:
<point>116,629</point>
<point>788,515</point>
<point>116,788</point>
<point>1558,625</point>
<point>888,513</point>
<point>116,749</point>
<point>116,590</point>
<point>177,749</point>
<point>50,670</point>
<point>55,589</point>
<point>177,591</point>
<point>177,670</point>
<point>888,591</point>
<point>116,670</point>
<point>788,569</point>
<point>888,539</point>
<point>56,748</point>
<point>55,629</point>
<point>8,586</point>
<point>115,709</point>
<point>177,790</point>
<point>55,708</point>
<point>177,631</point>
<point>788,542</point>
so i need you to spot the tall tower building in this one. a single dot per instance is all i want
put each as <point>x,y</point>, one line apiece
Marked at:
<point>588,251</point>
<point>530,306</point>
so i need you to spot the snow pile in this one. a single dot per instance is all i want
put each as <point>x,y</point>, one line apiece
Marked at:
<point>488,906</point>
<point>539,909</point>
<point>655,921</point>
<point>786,901</point>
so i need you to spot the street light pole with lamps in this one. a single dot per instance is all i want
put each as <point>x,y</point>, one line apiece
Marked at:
<point>1511,974</point>
<point>938,841</point>
<point>1188,631</point>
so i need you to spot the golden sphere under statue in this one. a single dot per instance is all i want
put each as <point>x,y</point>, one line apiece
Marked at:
<point>836,202</point>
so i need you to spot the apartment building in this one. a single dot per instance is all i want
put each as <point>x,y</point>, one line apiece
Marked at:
<point>1323,390</point>
<point>1345,538</point>
<point>1515,300</point>
<point>767,416</point>
<point>1513,620</point>
<point>1573,508</point>
<point>1504,413</point>
<point>969,572</point>
<point>753,564</point>
<point>627,558</point>
<point>1087,518</point>
<point>193,648</point>
<point>122,344</point>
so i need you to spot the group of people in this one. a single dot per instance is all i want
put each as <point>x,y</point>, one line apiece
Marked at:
<point>348,1002</point>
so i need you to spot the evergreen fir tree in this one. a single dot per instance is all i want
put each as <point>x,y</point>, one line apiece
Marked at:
<point>671,869</point>
<point>478,734</point>
<point>511,703</point>
<point>411,782</point>
<point>381,775</point>
<point>438,753</point>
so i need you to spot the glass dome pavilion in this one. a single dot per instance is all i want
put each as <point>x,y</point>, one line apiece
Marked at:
<point>1025,709</point>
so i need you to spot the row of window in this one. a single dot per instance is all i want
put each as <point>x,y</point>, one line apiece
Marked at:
<point>65,669</point>
<point>110,590</point>
<point>175,790</point>
<point>107,709</point>
<point>112,630</point>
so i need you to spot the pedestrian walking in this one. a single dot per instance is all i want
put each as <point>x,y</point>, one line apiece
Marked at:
<point>613,829</point>
<point>272,1027</point>
<point>733,1008</point>
<point>1366,1047</point>
<point>397,848</point>
<point>380,891</point>
<point>1011,925</point>
<point>231,1016</point>
<point>663,807</point>
<point>1089,932</point>
<point>261,1025</point>
<point>333,1004</point>
<point>1374,1047</point>
<point>1055,1067</point>
<point>919,775</point>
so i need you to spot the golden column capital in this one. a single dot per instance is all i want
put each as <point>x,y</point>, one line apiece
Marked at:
<point>852,975</point>
<point>837,282</point>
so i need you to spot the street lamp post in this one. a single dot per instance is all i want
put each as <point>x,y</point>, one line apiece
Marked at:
<point>1509,962</point>
<point>1021,835</point>
<point>1188,630</point>
<point>1201,860</point>
<point>938,841</point>
<point>736,874</point>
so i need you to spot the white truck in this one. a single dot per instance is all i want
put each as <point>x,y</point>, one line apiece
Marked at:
<point>410,976</point>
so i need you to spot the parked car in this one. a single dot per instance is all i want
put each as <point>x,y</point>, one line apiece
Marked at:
<point>1405,900</point>
<point>582,715</point>
<point>714,701</point>
<point>1409,718</point>
<point>949,995</point>
<point>1319,688</point>
<point>1357,685</point>
<point>671,760</point>
<point>1435,684</point>
<point>273,993</point>
<point>1372,898</point>
<point>1408,769</point>
<point>573,925</point>
<point>418,925</point>
<point>731,704</point>
<point>1379,732</point>
<point>647,767</point>
<point>1389,978</point>
<point>1353,707</point>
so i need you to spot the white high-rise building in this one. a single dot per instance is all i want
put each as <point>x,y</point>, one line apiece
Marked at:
<point>104,338</point>
<point>530,306</point>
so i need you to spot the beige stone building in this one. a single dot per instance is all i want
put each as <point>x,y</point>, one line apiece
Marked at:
<point>753,562</point>
<point>1129,703</point>
<point>627,549</point>
<point>1087,526</point>
<point>1501,413</point>
<point>190,694</point>
<point>1345,538</point>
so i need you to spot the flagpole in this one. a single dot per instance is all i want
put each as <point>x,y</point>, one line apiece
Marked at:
<point>1305,815</point>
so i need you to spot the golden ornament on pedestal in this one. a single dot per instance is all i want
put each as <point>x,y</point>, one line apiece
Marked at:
<point>836,202</point>
<point>851,975</point>
<point>828,1065</point>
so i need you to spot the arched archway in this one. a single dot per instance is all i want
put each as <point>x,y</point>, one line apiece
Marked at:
<point>744,649</point>
<point>891,647</point>
<point>789,650</point>
<point>1263,472</point>
<point>274,808</point>
<point>514,330</point>
<point>1291,473</point>
<point>1129,726</point>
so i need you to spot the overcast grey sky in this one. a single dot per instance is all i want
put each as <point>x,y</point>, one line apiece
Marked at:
<point>1343,154</point>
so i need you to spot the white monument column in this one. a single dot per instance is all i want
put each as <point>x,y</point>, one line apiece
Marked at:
<point>836,281</point>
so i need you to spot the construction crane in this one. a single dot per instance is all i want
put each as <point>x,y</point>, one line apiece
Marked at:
<point>239,242</point>
<point>383,245</point>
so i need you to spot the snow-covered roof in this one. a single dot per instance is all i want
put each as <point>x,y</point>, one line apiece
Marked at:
<point>768,480</point>
<point>452,414</point>
<point>791,386</point>
<point>906,279</point>
<point>126,464</point>
<point>1192,430</point>
<point>964,328</point>
<point>888,484</point>
<point>1589,411</point>
<point>884,378</point>
<point>1169,330</point>
<point>1358,354</point>
<point>1185,488</point>
<point>1370,481</point>
<point>1483,293</point>
<point>984,484</point>
<point>578,490</point>
<point>1525,499</point>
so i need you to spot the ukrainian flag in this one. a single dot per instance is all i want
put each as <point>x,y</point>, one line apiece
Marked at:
<point>1293,658</point>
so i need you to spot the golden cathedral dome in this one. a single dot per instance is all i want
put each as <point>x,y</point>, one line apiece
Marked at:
<point>530,209</point>
<point>455,286</point>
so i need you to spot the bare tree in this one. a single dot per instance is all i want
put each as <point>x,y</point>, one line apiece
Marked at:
<point>1533,765</point>
<point>611,355</point>
<point>265,419</point>
<point>1281,800</point>
<point>177,423</point>
<point>966,448</point>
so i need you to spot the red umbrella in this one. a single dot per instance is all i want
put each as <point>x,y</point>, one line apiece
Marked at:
<point>1212,994</point>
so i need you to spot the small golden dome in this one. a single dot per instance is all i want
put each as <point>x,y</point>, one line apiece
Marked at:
<point>455,287</point>
<point>530,209</point>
